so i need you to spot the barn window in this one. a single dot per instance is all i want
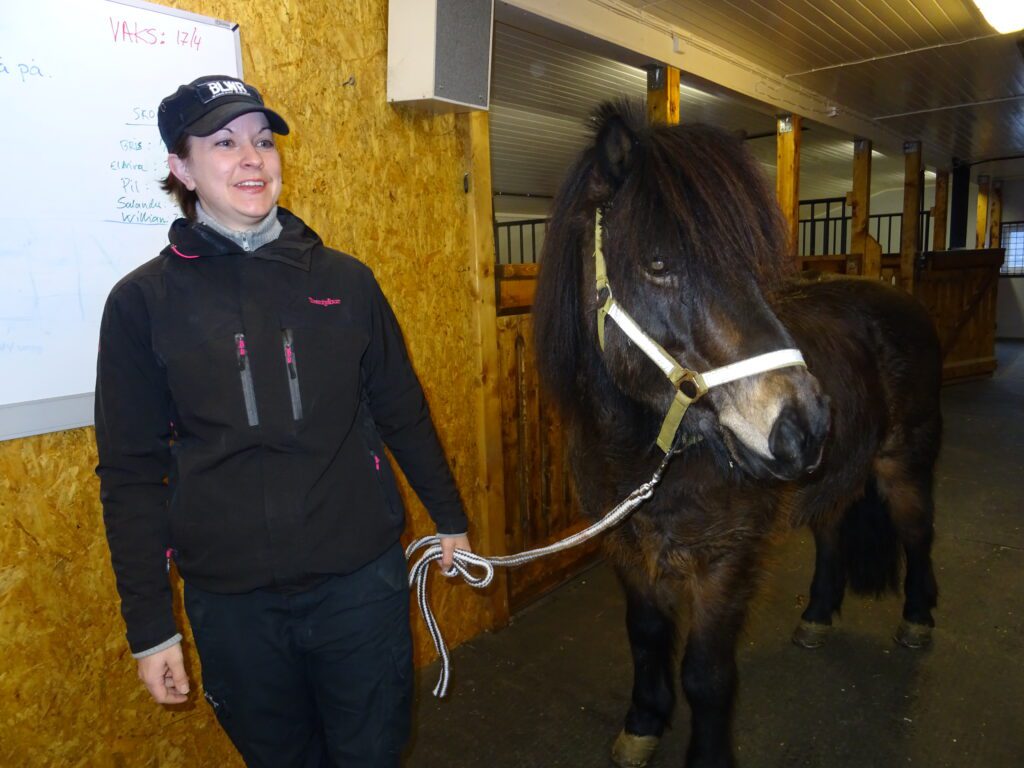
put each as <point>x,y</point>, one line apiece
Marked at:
<point>1012,240</point>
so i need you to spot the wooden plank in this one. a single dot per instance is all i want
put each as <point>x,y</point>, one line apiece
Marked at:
<point>516,294</point>
<point>663,94</point>
<point>539,506</point>
<point>910,225</point>
<point>958,288</point>
<point>940,211</point>
<point>957,260</point>
<point>996,216</point>
<point>510,344</point>
<point>787,176</point>
<point>982,212</point>
<point>531,581</point>
<point>860,204</point>
<point>531,452</point>
<point>517,271</point>
<point>872,266</point>
<point>490,520</point>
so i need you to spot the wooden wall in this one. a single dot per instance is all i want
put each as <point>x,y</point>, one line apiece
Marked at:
<point>959,290</point>
<point>382,183</point>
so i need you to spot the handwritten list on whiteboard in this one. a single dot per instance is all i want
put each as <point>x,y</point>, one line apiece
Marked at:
<point>82,160</point>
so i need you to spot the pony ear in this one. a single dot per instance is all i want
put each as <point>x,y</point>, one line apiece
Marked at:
<point>616,142</point>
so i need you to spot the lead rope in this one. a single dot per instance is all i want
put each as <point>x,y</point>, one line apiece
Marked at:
<point>463,561</point>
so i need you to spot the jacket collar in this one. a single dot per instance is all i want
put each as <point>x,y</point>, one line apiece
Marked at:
<point>294,247</point>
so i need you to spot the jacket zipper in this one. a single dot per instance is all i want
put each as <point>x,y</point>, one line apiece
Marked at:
<point>245,373</point>
<point>293,373</point>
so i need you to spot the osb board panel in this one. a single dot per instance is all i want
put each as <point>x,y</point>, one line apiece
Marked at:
<point>68,688</point>
<point>382,183</point>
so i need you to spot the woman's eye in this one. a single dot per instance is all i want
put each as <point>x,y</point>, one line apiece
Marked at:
<point>657,265</point>
<point>224,143</point>
<point>265,144</point>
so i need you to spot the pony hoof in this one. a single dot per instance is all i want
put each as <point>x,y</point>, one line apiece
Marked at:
<point>632,751</point>
<point>911,635</point>
<point>810,634</point>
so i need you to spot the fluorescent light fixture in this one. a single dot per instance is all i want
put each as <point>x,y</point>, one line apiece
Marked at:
<point>1003,16</point>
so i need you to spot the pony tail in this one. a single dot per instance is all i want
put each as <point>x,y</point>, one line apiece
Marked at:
<point>869,545</point>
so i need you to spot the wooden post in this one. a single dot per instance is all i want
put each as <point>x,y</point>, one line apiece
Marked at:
<point>860,203</point>
<point>490,537</point>
<point>940,211</point>
<point>910,227</point>
<point>996,216</point>
<point>787,177</point>
<point>663,94</point>
<point>982,220</point>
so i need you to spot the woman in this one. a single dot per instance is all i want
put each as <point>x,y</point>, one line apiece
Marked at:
<point>248,380</point>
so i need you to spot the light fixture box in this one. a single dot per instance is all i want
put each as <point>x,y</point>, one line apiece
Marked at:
<point>439,53</point>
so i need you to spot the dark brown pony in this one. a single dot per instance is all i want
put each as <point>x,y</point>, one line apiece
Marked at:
<point>696,254</point>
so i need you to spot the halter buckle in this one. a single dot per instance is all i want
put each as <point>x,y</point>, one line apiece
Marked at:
<point>690,384</point>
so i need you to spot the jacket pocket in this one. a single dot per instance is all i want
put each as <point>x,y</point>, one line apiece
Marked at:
<point>291,365</point>
<point>245,374</point>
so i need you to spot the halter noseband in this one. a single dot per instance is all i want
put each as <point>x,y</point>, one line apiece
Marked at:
<point>696,384</point>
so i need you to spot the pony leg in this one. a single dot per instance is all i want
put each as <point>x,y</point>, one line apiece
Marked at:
<point>912,506</point>
<point>652,635</point>
<point>709,673</point>
<point>827,587</point>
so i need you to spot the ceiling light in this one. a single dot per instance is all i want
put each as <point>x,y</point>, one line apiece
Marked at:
<point>1003,16</point>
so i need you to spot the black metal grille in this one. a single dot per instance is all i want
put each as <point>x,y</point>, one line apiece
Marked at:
<point>519,242</point>
<point>1011,237</point>
<point>825,228</point>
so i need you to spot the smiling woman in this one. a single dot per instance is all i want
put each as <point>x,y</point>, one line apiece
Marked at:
<point>235,171</point>
<point>249,379</point>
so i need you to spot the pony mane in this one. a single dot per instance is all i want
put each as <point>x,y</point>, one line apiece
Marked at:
<point>699,179</point>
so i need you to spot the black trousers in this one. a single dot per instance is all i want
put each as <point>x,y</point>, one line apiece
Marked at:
<point>318,679</point>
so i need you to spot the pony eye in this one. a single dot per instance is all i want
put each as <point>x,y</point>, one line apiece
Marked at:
<point>657,265</point>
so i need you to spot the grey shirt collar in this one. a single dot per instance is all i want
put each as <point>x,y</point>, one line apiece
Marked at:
<point>265,232</point>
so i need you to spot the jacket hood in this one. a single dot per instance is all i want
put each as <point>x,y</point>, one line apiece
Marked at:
<point>294,246</point>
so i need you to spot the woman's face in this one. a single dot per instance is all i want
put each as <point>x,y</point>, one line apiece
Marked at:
<point>236,171</point>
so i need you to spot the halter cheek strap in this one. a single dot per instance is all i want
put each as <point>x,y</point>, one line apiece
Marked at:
<point>690,385</point>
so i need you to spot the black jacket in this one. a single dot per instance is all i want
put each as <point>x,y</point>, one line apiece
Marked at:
<point>243,402</point>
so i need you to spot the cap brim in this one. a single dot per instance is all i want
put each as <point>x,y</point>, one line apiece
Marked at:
<point>213,121</point>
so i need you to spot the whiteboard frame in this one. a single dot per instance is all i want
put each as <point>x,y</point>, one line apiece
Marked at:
<point>56,414</point>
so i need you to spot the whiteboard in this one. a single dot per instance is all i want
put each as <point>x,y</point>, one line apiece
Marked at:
<point>80,199</point>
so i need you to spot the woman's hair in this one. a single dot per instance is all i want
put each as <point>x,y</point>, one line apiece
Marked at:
<point>185,198</point>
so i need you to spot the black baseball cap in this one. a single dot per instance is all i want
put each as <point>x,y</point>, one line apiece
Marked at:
<point>209,103</point>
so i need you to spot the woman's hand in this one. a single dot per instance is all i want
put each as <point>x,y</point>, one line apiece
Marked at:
<point>448,546</point>
<point>163,673</point>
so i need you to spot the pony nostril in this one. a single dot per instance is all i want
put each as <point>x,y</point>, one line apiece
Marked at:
<point>792,442</point>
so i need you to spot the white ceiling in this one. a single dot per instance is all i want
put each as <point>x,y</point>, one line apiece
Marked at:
<point>930,70</point>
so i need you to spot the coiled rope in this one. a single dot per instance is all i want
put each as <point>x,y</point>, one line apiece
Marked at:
<point>464,561</point>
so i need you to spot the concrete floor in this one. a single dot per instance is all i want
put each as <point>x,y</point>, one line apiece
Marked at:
<point>552,688</point>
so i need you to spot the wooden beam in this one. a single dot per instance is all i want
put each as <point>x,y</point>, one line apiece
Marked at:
<point>910,227</point>
<point>995,215</point>
<point>490,535</point>
<point>663,94</point>
<point>982,219</point>
<point>860,203</point>
<point>787,176</point>
<point>940,211</point>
